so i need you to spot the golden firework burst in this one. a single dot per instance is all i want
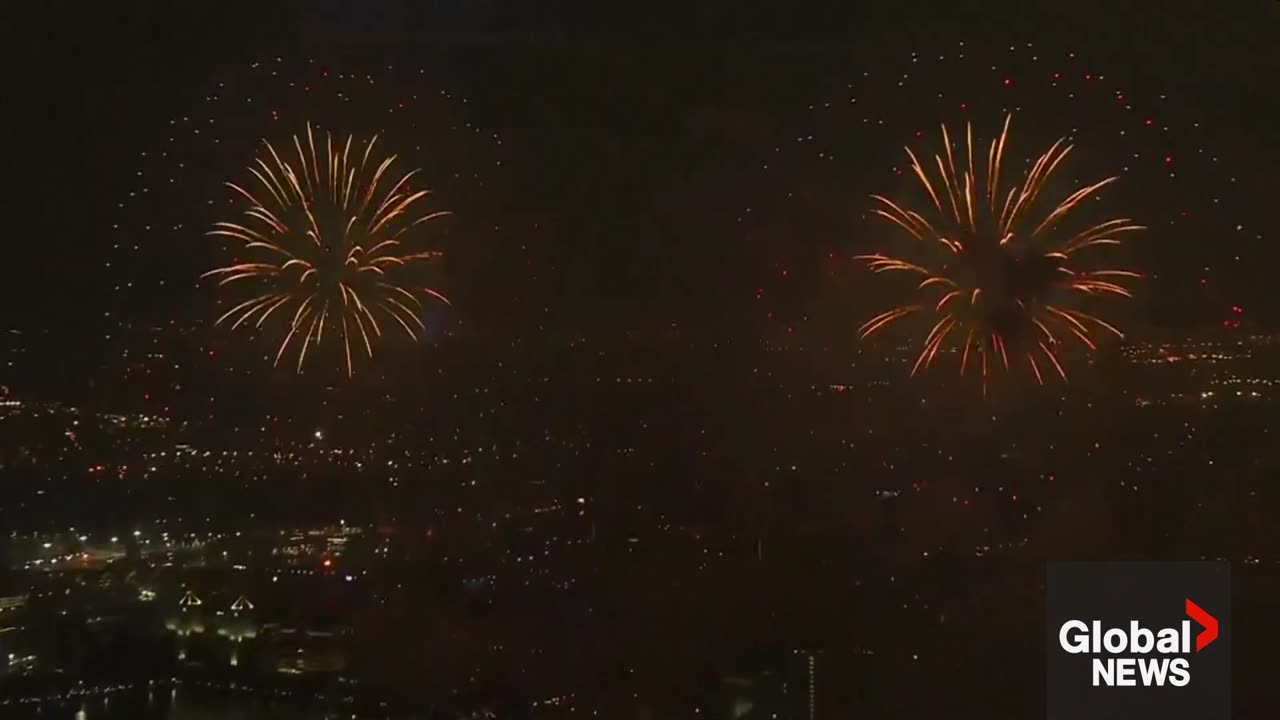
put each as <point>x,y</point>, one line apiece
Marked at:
<point>326,241</point>
<point>1005,275</point>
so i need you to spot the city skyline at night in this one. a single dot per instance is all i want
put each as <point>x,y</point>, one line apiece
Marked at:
<point>593,400</point>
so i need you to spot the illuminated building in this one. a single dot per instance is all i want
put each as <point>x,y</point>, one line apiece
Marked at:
<point>781,688</point>
<point>188,621</point>
<point>755,696</point>
<point>235,625</point>
<point>303,652</point>
<point>307,661</point>
<point>802,684</point>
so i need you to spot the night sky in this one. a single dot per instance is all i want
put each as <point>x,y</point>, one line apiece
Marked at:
<point>620,150</point>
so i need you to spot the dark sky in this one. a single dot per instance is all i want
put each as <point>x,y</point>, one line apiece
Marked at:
<point>632,134</point>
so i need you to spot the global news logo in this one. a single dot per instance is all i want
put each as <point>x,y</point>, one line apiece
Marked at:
<point>1150,640</point>
<point>1127,664</point>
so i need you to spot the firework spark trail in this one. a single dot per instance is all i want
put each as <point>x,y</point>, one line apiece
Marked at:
<point>984,229</point>
<point>325,238</point>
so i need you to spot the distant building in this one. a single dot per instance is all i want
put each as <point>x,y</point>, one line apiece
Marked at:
<point>301,652</point>
<point>312,660</point>
<point>237,625</point>
<point>222,632</point>
<point>783,687</point>
<point>755,696</point>
<point>802,685</point>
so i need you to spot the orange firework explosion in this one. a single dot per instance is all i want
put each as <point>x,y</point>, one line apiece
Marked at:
<point>1003,283</point>
<point>325,246</point>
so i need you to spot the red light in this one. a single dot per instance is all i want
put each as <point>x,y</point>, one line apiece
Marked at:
<point>1088,77</point>
<point>1057,76</point>
<point>964,106</point>
<point>1226,323</point>
<point>785,273</point>
<point>1007,82</point>
<point>1168,160</point>
<point>328,562</point>
<point>1150,122</point>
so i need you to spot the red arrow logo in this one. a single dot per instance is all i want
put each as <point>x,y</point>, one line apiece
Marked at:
<point>1209,622</point>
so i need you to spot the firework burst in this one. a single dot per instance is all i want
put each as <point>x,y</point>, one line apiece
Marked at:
<point>1002,289</point>
<point>323,241</point>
